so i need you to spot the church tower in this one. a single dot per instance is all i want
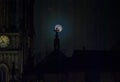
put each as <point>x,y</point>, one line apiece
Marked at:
<point>16,36</point>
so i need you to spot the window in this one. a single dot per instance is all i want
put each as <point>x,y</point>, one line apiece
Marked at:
<point>2,74</point>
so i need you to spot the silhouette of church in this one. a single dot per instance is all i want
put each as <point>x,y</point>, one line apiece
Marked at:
<point>83,66</point>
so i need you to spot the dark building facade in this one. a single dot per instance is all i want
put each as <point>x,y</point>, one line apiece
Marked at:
<point>16,38</point>
<point>83,66</point>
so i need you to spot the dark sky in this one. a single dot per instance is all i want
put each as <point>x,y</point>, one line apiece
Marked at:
<point>90,23</point>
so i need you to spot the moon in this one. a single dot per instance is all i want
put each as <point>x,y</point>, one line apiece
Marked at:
<point>58,28</point>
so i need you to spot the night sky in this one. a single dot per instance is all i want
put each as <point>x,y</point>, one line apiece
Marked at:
<point>90,23</point>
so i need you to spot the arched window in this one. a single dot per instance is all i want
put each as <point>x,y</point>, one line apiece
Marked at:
<point>3,73</point>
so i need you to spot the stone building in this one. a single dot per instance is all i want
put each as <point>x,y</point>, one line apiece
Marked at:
<point>16,37</point>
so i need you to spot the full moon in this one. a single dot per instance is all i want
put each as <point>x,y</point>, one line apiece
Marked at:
<point>58,28</point>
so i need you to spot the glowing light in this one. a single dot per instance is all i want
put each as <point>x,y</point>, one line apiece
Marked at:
<point>58,28</point>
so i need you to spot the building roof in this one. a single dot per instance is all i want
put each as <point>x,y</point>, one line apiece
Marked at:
<point>80,61</point>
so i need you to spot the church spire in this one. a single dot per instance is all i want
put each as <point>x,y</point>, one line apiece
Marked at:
<point>56,42</point>
<point>58,28</point>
